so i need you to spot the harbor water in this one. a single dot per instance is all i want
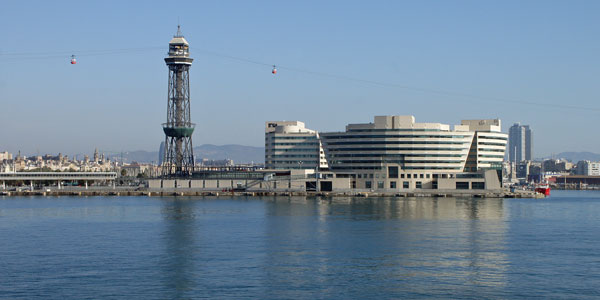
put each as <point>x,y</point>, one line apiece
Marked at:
<point>300,248</point>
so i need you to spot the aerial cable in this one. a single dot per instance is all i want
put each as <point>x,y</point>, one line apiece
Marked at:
<point>80,52</point>
<point>392,85</point>
<point>86,53</point>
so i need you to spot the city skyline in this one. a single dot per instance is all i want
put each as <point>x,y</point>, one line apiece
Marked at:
<point>502,51</point>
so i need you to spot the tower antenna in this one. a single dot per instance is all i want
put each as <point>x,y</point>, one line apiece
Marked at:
<point>178,34</point>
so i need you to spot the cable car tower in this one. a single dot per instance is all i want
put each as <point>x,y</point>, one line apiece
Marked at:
<point>178,159</point>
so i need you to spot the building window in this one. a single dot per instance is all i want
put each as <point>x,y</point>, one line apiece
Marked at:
<point>478,185</point>
<point>428,175</point>
<point>367,184</point>
<point>393,172</point>
<point>379,184</point>
<point>419,185</point>
<point>462,185</point>
<point>421,176</point>
<point>407,175</point>
<point>370,175</point>
<point>401,175</point>
<point>405,185</point>
<point>359,175</point>
<point>392,184</point>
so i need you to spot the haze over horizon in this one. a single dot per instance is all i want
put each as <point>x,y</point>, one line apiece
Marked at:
<point>505,53</point>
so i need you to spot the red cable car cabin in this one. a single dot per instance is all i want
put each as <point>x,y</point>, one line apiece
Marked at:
<point>73,60</point>
<point>274,70</point>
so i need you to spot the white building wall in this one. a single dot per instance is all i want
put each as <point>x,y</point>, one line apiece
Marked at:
<point>289,145</point>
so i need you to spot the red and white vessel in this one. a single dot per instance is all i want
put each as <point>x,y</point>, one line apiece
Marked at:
<point>543,188</point>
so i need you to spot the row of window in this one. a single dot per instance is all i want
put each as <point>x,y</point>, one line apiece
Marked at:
<point>295,144</point>
<point>294,150</point>
<point>337,137</point>
<point>490,150</point>
<point>371,149</point>
<point>391,175</point>
<point>294,137</point>
<point>487,162</point>
<point>291,156</point>
<point>492,137</point>
<point>405,185</point>
<point>375,167</point>
<point>491,144</point>
<point>393,130</point>
<point>460,185</point>
<point>356,161</point>
<point>398,143</point>
<point>382,155</point>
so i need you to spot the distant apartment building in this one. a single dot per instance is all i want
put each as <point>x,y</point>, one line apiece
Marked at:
<point>5,156</point>
<point>589,168</point>
<point>556,165</point>
<point>290,145</point>
<point>520,143</point>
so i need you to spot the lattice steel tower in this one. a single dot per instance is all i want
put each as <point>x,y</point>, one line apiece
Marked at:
<point>179,157</point>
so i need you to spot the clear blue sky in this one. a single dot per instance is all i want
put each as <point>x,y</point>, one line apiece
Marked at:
<point>536,51</point>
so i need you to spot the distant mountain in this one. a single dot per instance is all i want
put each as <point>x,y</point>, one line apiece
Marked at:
<point>576,156</point>
<point>238,153</point>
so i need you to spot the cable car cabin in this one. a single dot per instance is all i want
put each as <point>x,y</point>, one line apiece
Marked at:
<point>274,71</point>
<point>73,60</point>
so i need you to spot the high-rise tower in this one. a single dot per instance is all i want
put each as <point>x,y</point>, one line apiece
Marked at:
<point>178,158</point>
<point>520,143</point>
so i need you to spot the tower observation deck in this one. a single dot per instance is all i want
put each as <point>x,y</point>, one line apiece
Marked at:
<point>178,159</point>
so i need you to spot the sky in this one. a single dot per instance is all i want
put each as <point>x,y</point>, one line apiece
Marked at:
<point>340,62</point>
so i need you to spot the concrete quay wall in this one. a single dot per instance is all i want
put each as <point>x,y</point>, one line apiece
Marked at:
<point>229,192</point>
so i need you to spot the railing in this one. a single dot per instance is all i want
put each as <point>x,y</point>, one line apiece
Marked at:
<point>58,176</point>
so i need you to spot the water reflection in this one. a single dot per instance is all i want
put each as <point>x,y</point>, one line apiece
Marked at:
<point>299,247</point>
<point>394,244</point>
<point>178,261</point>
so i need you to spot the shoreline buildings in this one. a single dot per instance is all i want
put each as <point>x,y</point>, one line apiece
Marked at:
<point>392,153</point>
